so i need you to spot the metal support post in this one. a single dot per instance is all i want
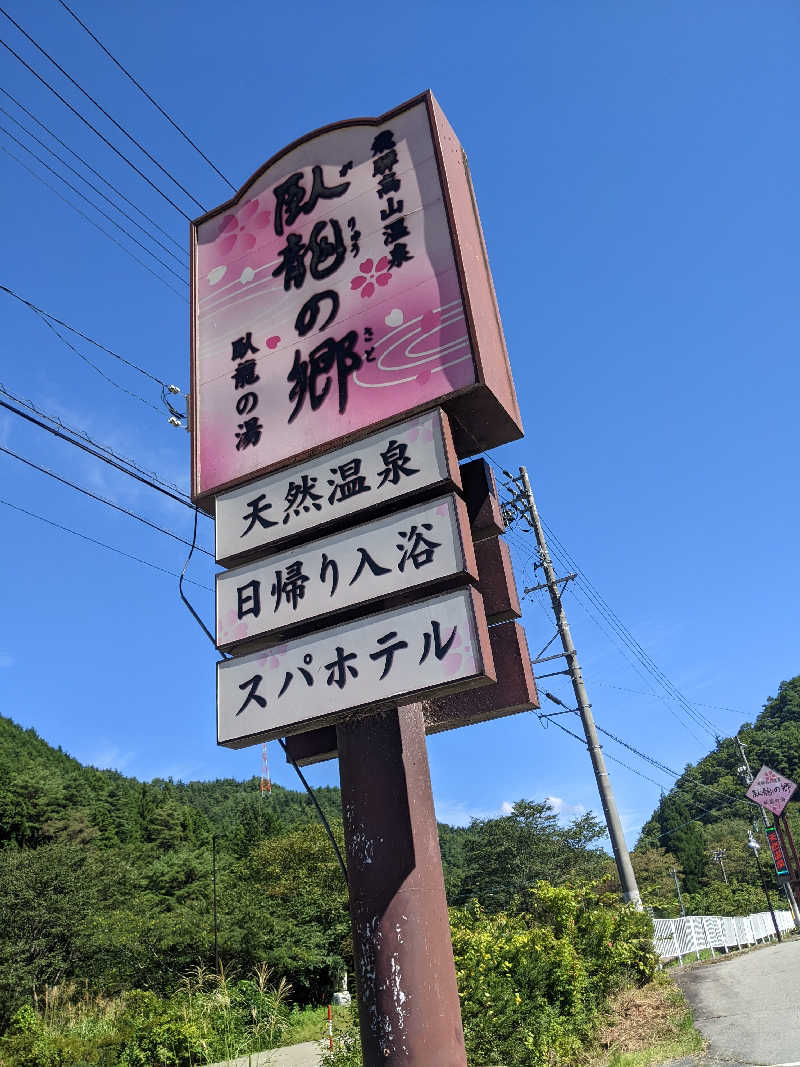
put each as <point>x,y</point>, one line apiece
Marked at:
<point>409,1010</point>
<point>754,845</point>
<point>627,878</point>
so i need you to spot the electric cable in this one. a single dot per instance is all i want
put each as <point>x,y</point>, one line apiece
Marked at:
<point>638,650</point>
<point>674,789</point>
<point>282,743</point>
<point>511,487</point>
<point>102,544</point>
<point>657,764</point>
<point>642,755</point>
<point>91,202</point>
<point>97,454</point>
<point>85,337</point>
<point>99,498</point>
<point>100,108</point>
<point>94,129</point>
<point>599,603</point>
<point>141,88</point>
<point>151,475</point>
<point>91,169</point>
<point>101,372</point>
<point>96,188</point>
<point>96,225</point>
<point>696,703</point>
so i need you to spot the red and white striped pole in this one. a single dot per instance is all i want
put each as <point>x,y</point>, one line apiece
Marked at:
<point>330,1027</point>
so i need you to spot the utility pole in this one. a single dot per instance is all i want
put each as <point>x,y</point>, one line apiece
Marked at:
<point>747,775</point>
<point>719,856</point>
<point>525,502</point>
<point>680,895</point>
<point>214,875</point>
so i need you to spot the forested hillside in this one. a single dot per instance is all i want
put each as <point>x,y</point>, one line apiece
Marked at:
<point>706,812</point>
<point>107,886</point>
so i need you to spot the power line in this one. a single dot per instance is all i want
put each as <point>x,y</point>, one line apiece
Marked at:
<point>508,487</point>
<point>642,755</point>
<point>633,770</point>
<point>96,225</point>
<point>91,169</point>
<point>91,202</point>
<point>94,129</point>
<point>607,613</point>
<point>151,475</point>
<point>624,639</point>
<point>101,372</point>
<point>97,454</point>
<point>696,703</point>
<point>141,88</point>
<point>622,647</point>
<point>634,664</point>
<point>702,720</point>
<point>100,499</point>
<point>102,544</point>
<point>100,108</point>
<point>97,189</point>
<point>659,766</point>
<point>85,337</point>
<point>281,742</point>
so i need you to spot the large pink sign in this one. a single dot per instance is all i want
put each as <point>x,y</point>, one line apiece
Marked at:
<point>345,285</point>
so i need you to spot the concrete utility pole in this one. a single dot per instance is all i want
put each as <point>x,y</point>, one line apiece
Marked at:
<point>627,878</point>
<point>719,856</point>
<point>680,895</point>
<point>747,774</point>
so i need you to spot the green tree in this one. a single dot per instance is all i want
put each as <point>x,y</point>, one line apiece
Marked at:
<point>287,904</point>
<point>503,857</point>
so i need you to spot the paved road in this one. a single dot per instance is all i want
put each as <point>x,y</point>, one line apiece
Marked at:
<point>748,1006</point>
<point>306,1055</point>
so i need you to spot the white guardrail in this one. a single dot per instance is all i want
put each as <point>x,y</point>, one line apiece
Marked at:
<point>676,938</point>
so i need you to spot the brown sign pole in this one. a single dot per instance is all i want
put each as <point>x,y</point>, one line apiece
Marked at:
<point>408,998</point>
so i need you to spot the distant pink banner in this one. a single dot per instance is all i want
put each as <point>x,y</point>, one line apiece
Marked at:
<point>326,300</point>
<point>771,790</point>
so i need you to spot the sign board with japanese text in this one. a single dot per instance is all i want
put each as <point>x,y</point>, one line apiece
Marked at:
<point>377,472</point>
<point>345,285</point>
<point>422,650</point>
<point>771,790</point>
<point>776,848</point>
<point>384,560</point>
<point>513,692</point>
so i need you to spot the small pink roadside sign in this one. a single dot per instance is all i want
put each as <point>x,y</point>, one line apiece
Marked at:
<point>771,790</point>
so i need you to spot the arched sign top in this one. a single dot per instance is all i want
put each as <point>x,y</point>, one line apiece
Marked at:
<point>344,287</point>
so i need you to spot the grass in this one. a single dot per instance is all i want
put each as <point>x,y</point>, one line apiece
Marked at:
<point>311,1024</point>
<point>647,1026</point>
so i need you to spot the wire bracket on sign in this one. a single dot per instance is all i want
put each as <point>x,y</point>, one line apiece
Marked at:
<point>176,416</point>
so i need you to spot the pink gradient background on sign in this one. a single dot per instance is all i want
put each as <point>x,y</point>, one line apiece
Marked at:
<point>420,338</point>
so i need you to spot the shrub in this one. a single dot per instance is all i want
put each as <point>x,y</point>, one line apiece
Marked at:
<point>534,981</point>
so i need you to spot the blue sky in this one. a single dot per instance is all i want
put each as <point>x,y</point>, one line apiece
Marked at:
<point>635,167</point>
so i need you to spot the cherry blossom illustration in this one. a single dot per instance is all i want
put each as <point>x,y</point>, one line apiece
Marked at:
<point>372,274</point>
<point>238,236</point>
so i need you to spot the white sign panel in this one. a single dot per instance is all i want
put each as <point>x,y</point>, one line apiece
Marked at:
<point>771,790</point>
<point>428,648</point>
<point>383,467</point>
<point>407,550</point>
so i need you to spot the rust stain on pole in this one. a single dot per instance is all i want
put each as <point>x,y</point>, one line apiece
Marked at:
<point>408,998</point>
